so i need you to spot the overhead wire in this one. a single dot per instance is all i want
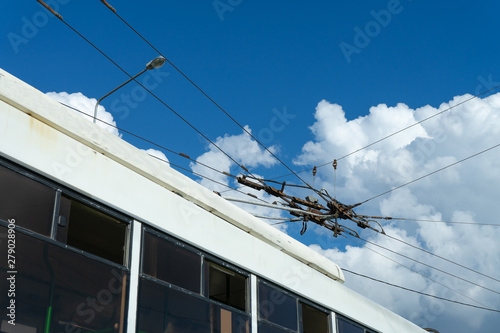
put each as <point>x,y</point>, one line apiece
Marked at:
<point>415,271</point>
<point>199,132</point>
<point>420,262</point>
<point>185,169</point>
<point>429,174</point>
<point>148,90</point>
<point>283,219</point>
<point>441,257</point>
<point>234,120</point>
<point>428,252</point>
<point>280,183</point>
<point>417,123</point>
<point>435,221</point>
<point>427,265</point>
<point>204,93</point>
<point>419,292</point>
<point>242,127</point>
<point>395,133</point>
<point>200,175</point>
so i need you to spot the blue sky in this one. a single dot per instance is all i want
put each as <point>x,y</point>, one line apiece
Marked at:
<point>270,65</point>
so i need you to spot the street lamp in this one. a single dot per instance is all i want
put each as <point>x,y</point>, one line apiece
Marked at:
<point>155,63</point>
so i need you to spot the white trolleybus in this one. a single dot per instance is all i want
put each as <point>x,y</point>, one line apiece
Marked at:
<point>97,236</point>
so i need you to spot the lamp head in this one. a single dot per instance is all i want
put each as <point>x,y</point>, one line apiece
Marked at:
<point>156,63</point>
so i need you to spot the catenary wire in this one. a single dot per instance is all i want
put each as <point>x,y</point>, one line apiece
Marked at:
<point>242,127</point>
<point>429,174</point>
<point>431,253</point>
<point>427,265</point>
<point>434,221</point>
<point>397,132</point>
<point>417,123</point>
<point>442,271</point>
<point>442,258</point>
<point>183,118</point>
<point>205,94</point>
<point>149,91</point>
<point>415,271</point>
<point>419,292</point>
<point>283,219</point>
<point>428,252</point>
<point>233,118</point>
<point>197,174</point>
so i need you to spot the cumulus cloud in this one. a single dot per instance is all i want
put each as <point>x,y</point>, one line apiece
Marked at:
<point>336,136</point>
<point>87,105</point>
<point>244,150</point>
<point>466,192</point>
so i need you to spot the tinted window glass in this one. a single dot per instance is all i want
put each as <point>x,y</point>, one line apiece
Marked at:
<point>345,326</point>
<point>314,320</point>
<point>227,286</point>
<point>65,290</point>
<point>277,307</point>
<point>30,203</point>
<point>163,309</point>
<point>90,230</point>
<point>266,328</point>
<point>171,263</point>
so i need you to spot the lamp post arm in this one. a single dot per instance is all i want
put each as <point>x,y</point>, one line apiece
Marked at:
<point>112,91</point>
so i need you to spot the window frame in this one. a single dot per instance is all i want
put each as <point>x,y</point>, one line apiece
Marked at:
<point>145,229</point>
<point>94,259</point>
<point>298,301</point>
<point>206,258</point>
<point>65,246</point>
<point>59,190</point>
<point>223,266</point>
<point>315,307</point>
<point>353,322</point>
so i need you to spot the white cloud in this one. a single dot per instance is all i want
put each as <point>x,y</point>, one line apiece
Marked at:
<point>336,136</point>
<point>244,150</point>
<point>157,155</point>
<point>87,105</point>
<point>466,192</point>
